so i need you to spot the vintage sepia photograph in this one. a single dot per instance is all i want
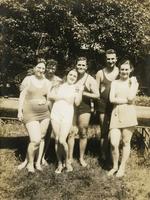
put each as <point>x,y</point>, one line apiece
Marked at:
<point>74,99</point>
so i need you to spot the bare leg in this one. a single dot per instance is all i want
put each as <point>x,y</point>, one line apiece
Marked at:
<point>104,124</point>
<point>23,164</point>
<point>83,144</point>
<point>43,126</point>
<point>56,129</point>
<point>71,138</point>
<point>127,135</point>
<point>71,142</point>
<point>35,137</point>
<point>101,120</point>
<point>64,131</point>
<point>47,143</point>
<point>84,120</point>
<point>115,135</point>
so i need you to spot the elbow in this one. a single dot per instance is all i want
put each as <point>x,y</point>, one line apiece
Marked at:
<point>97,96</point>
<point>131,98</point>
<point>77,103</point>
<point>112,100</point>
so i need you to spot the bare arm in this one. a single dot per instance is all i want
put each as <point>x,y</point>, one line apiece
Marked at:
<point>94,90</point>
<point>23,90</point>
<point>53,95</point>
<point>21,102</point>
<point>99,77</point>
<point>113,98</point>
<point>78,96</point>
<point>133,89</point>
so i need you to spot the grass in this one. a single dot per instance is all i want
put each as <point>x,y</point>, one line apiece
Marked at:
<point>83,183</point>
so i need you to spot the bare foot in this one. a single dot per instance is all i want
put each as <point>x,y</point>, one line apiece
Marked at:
<point>38,167</point>
<point>83,163</point>
<point>70,161</point>
<point>30,168</point>
<point>44,162</point>
<point>112,171</point>
<point>69,167</point>
<point>120,173</point>
<point>59,169</point>
<point>22,165</point>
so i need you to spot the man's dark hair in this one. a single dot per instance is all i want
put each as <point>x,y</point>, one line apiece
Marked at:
<point>81,59</point>
<point>110,51</point>
<point>51,62</point>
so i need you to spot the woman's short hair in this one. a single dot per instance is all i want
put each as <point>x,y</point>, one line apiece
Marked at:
<point>41,60</point>
<point>126,61</point>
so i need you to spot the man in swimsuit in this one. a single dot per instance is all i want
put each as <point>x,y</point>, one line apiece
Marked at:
<point>84,109</point>
<point>51,67</point>
<point>104,78</point>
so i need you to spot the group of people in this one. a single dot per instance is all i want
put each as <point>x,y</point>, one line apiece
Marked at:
<point>66,104</point>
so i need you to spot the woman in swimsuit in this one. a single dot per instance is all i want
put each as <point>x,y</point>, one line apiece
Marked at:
<point>123,117</point>
<point>34,112</point>
<point>62,116</point>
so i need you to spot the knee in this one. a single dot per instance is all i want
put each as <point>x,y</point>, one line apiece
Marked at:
<point>83,133</point>
<point>73,132</point>
<point>56,140</point>
<point>62,141</point>
<point>36,143</point>
<point>42,137</point>
<point>114,144</point>
<point>126,143</point>
<point>42,140</point>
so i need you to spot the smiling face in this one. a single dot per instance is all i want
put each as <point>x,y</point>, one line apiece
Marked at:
<point>81,66</point>
<point>72,77</point>
<point>39,70</point>
<point>111,60</point>
<point>125,71</point>
<point>51,69</point>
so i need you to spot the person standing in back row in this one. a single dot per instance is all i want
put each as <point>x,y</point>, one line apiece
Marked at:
<point>104,78</point>
<point>51,67</point>
<point>84,109</point>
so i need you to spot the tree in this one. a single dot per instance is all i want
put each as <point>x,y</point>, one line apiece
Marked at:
<point>59,29</point>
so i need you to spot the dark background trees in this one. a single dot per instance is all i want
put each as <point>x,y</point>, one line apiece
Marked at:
<point>64,29</point>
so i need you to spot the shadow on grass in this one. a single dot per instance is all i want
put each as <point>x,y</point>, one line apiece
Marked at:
<point>20,144</point>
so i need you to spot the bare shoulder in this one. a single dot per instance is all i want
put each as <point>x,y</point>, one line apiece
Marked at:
<point>115,82</point>
<point>99,73</point>
<point>27,78</point>
<point>48,82</point>
<point>116,71</point>
<point>91,78</point>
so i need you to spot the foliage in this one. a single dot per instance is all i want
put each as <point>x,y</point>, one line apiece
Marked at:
<point>59,29</point>
<point>142,101</point>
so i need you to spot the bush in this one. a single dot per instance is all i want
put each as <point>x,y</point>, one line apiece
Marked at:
<point>142,101</point>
